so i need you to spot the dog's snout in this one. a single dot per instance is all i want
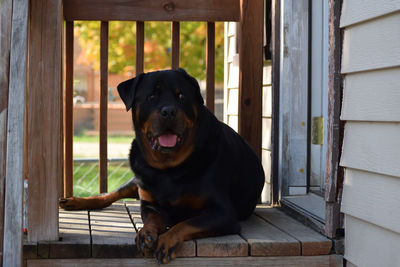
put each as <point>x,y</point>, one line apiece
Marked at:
<point>168,112</point>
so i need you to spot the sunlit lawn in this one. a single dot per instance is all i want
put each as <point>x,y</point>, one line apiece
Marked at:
<point>112,139</point>
<point>86,177</point>
<point>86,174</point>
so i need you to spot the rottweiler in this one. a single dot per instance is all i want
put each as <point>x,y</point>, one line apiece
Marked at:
<point>195,176</point>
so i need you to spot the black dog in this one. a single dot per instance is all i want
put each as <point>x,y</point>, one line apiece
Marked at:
<point>196,177</point>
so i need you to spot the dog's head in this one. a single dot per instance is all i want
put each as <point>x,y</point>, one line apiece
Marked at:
<point>164,111</point>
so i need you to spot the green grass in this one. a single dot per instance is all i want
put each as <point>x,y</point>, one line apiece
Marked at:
<point>86,175</point>
<point>115,139</point>
<point>86,181</point>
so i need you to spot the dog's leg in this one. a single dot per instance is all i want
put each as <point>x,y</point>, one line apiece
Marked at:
<point>208,224</point>
<point>127,190</point>
<point>154,222</point>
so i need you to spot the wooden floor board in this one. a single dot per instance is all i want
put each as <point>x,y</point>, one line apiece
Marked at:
<point>312,243</point>
<point>222,246</point>
<point>113,233</point>
<point>74,236</point>
<point>110,233</point>
<point>266,240</point>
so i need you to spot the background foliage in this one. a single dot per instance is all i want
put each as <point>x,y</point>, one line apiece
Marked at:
<point>122,43</point>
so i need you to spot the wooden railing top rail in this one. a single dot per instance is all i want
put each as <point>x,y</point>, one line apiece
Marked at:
<point>152,10</point>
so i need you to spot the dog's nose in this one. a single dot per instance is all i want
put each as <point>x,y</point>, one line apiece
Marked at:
<point>168,112</point>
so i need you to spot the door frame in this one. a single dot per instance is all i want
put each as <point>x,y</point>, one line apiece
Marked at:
<point>334,130</point>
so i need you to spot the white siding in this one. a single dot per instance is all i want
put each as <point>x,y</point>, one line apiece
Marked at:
<point>231,107</point>
<point>367,245</point>
<point>231,86</point>
<point>371,146</point>
<point>365,196</point>
<point>372,45</point>
<point>355,11</point>
<point>372,95</point>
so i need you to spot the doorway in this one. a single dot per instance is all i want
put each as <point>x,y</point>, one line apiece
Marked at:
<point>303,105</point>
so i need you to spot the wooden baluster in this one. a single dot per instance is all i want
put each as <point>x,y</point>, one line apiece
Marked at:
<point>175,44</point>
<point>69,91</point>
<point>103,106</point>
<point>139,47</point>
<point>210,66</point>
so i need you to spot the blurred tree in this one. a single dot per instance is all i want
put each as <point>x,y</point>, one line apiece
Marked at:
<point>122,43</point>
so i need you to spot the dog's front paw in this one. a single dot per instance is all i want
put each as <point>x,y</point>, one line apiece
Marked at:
<point>146,239</point>
<point>70,203</point>
<point>166,247</point>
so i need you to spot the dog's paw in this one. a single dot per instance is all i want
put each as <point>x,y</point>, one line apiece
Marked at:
<point>167,246</point>
<point>146,239</point>
<point>70,203</point>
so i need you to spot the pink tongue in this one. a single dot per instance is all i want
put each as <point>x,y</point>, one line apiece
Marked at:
<point>167,140</point>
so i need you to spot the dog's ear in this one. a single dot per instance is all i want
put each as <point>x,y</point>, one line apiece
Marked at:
<point>195,84</point>
<point>127,90</point>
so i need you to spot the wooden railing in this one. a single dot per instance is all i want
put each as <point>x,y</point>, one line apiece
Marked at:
<point>33,67</point>
<point>139,11</point>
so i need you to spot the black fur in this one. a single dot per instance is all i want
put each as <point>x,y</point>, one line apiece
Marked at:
<point>222,170</point>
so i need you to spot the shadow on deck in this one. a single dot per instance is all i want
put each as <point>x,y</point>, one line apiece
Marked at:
<point>105,237</point>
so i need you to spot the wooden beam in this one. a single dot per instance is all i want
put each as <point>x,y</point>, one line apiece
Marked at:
<point>13,209</point>
<point>139,47</point>
<point>175,45</point>
<point>103,106</point>
<point>250,74</point>
<point>152,10</point>
<point>69,92</point>
<point>5,42</point>
<point>210,66</point>
<point>334,174</point>
<point>321,261</point>
<point>275,58</point>
<point>44,111</point>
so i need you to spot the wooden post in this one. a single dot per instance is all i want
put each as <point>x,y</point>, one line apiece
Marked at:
<point>175,44</point>
<point>5,42</point>
<point>44,111</point>
<point>275,57</point>
<point>250,74</point>
<point>13,215</point>
<point>334,173</point>
<point>210,66</point>
<point>103,106</point>
<point>139,47</point>
<point>69,92</point>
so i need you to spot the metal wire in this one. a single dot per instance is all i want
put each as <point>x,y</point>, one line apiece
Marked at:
<point>86,173</point>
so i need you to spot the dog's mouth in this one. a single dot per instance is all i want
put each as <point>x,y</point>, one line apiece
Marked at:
<point>166,142</point>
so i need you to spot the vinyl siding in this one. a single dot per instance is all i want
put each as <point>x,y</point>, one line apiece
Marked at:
<point>231,93</point>
<point>371,146</point>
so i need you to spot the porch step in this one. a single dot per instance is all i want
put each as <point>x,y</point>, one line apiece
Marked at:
<point>110,233</point>
<point>309,261</point>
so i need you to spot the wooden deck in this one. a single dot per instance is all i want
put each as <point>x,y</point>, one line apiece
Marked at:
<point>110,233</point>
